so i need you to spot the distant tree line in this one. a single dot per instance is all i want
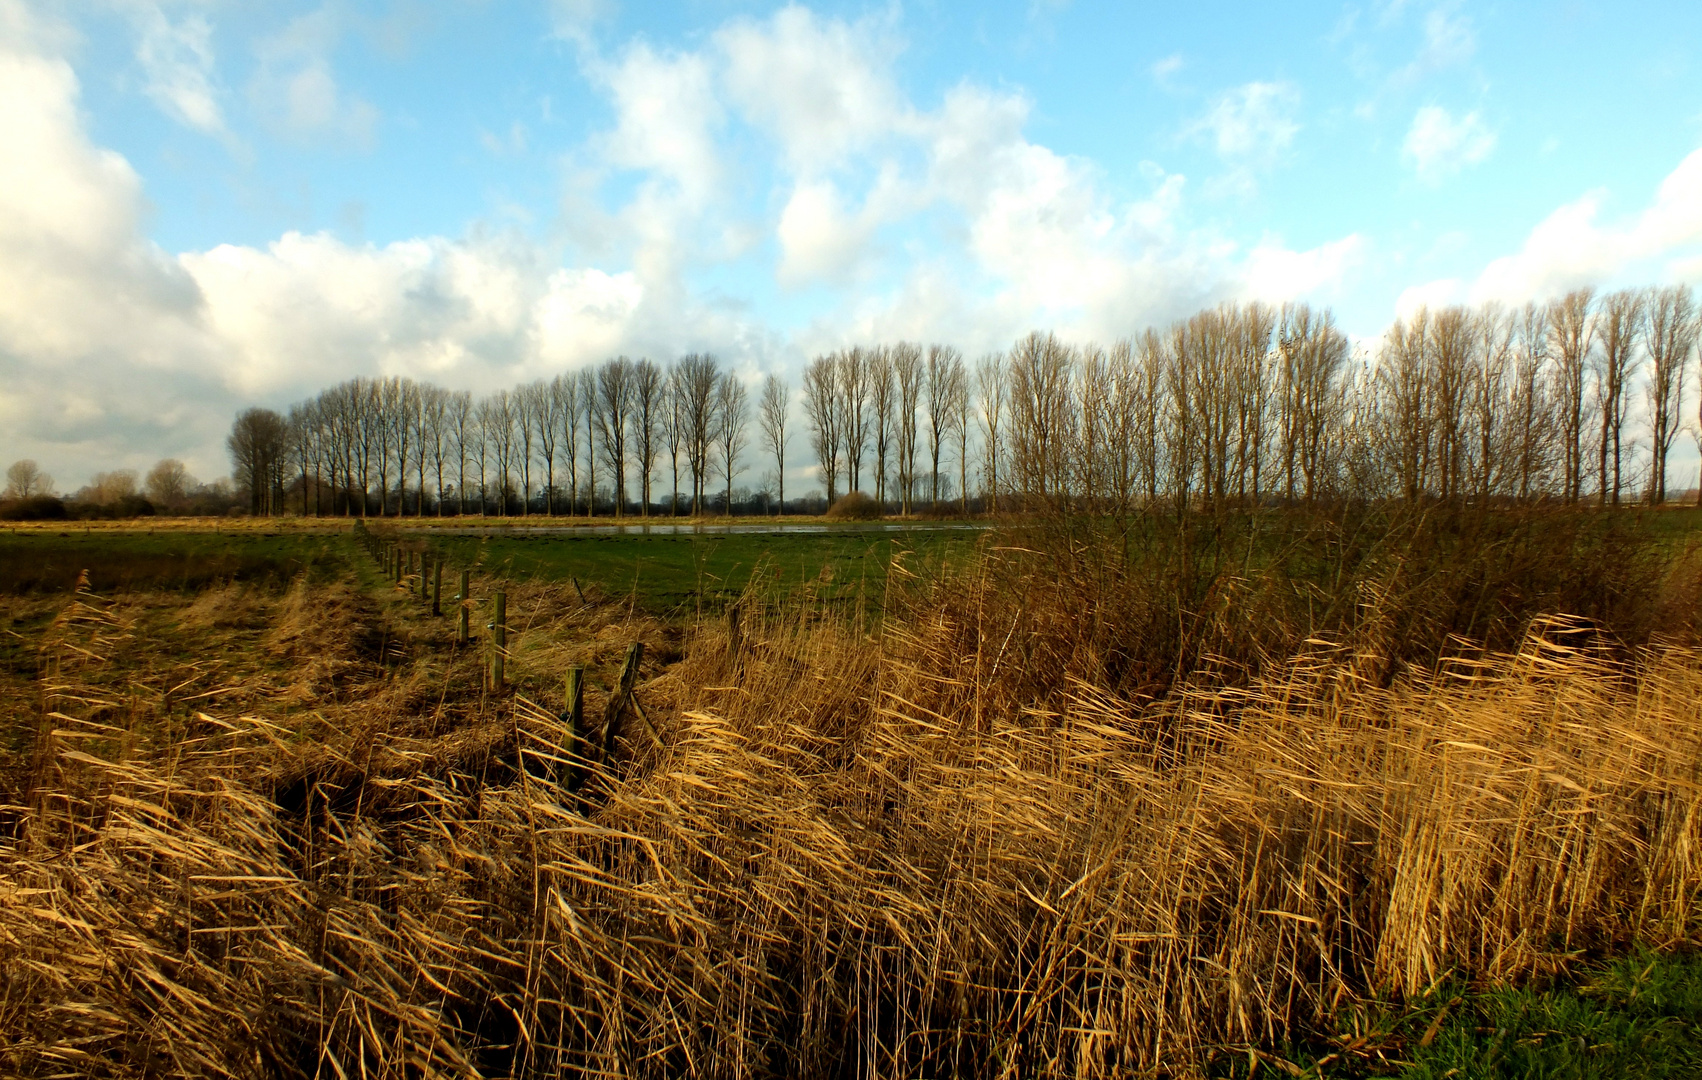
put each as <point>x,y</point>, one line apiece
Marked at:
<point>167,488</point>
<point>595,441</point>
<point>1579,400</point>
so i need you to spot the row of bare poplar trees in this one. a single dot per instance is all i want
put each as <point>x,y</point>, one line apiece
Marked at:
<point>1579,399</point>
<point>570,444</point>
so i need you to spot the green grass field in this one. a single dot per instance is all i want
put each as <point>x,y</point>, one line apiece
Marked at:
<point>671,573</point>
<point>1636,1015</point>
<point>667,573</point>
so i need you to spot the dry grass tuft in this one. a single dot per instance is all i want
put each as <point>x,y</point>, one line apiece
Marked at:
<point>917,851</point>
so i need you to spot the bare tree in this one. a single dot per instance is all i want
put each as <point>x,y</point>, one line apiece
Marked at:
<point>854,413</point>
<point>1619,327</point>
<point>699,374</point>
<point>106,488</point>
<point>1569,333</point>
<point>1042,407</point>
<point>25,480</point>
<point>1493,368</point>
<point>821,409</point>
<point>590,401</point>
<point>435,408</point>
<point>258,449</point>
<point>992,381</point>
<point>732,417</point>
<point>1152,365</point>
<point>771,415</point>
<point>419,416</point>
<point>461,425</point>
<point>961,401</point>
<point>614,388</point>
<point>1672,328</point>
<point>908,369</point>
<point>545,415</point>
<point>1530,410</point>
<point>1250,383</point>
<point>883,397</point>
<point>649,401</point>
<point>1311,354</point>
<point>674,429</point>
<point>565,390</point>
<point>168,484</point>
<point>505,446</point>
<point>484,437</point>
<point>945,383</point>
<point>528,417</point>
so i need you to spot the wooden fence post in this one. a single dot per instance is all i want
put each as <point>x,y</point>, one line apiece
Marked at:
<point>437,587</point>
<point>462,602</point>
<point>499,641</point>
<point>619,699</point>
<point>735,633</point>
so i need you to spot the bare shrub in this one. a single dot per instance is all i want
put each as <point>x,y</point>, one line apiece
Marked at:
<point>854,506</point>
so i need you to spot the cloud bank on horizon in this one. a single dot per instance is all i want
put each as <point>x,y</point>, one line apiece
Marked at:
<point>203,207</point>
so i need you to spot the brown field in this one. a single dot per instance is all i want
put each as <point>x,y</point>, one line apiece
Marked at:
<point>1038,816</point>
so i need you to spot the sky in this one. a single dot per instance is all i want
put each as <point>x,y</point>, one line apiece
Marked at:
<point>207,204</point>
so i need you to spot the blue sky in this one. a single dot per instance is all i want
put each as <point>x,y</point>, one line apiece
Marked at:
<point>211,204</point>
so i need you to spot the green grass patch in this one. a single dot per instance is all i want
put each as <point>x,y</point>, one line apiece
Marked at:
<point>44,561</point>
<point>1638,1015</point>
<point>675,572</point>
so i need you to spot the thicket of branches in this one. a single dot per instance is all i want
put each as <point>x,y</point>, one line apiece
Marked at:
<point>1581,399</point>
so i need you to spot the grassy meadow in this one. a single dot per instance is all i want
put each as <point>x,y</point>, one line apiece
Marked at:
<point>1349,793</point>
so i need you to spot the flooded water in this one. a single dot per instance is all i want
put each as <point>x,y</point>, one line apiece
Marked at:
<point>828,528</point>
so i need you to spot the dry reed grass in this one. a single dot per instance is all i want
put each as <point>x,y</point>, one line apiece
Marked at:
<point>915,852</point>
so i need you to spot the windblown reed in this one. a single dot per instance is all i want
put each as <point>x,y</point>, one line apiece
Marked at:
<point>915,851</point>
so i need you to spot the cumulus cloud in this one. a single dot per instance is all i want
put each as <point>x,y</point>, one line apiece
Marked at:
<point>667,115</point>
<point>1276,273</point>
<point>92,315</point>
<point>822,87</point>
<point>818,239</point>
<point>1572,247</point>
<point>1439,145</point>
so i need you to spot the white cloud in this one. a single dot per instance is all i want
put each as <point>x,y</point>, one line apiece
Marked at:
<point>1252,123</point>
<point>1439,145</point>
<point>1274,273</point>
<point>822,86</point>
<point>1573,247</point>
<point>574,20</point>
<point>1164,71</point>
<point>818,239</point>
<point>296,91</point>
<point>1449,39</point>
<point>667,114</point>
<point>1444,292</point>
<point>177,59</point>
